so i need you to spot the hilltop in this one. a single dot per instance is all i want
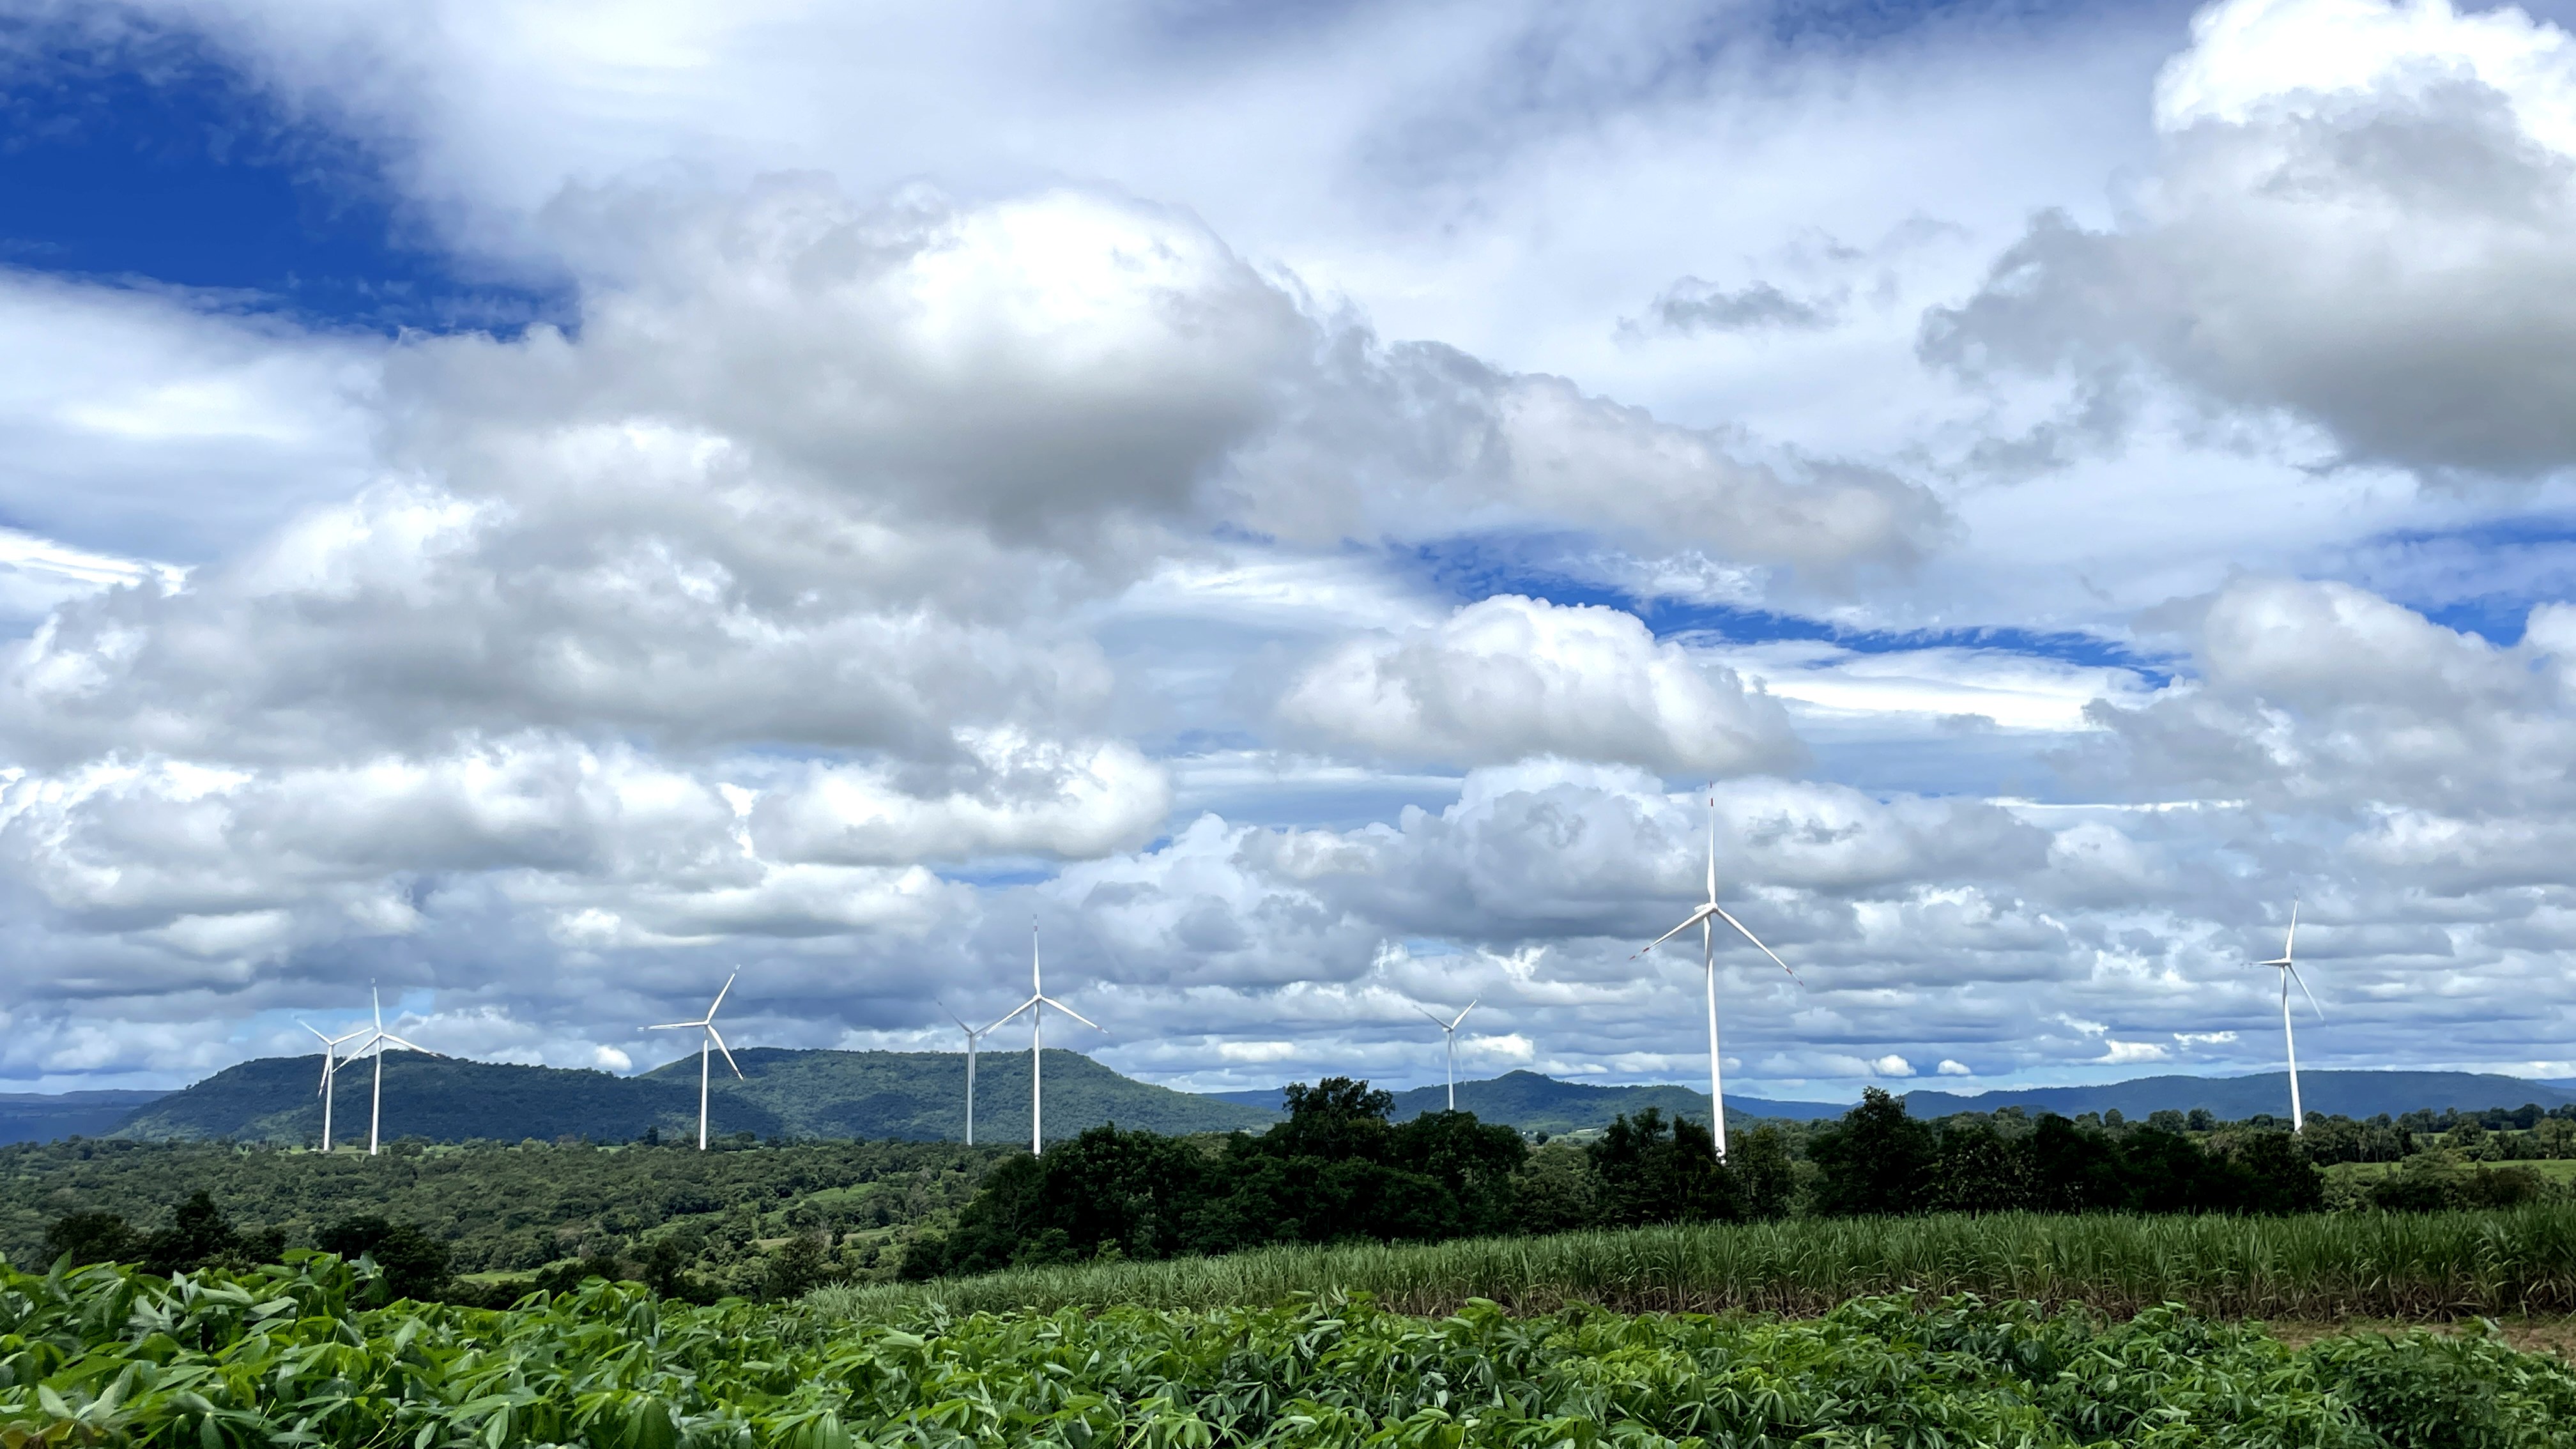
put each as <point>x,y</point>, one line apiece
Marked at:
<point>1536,1103</point>
<point>784,1094</point>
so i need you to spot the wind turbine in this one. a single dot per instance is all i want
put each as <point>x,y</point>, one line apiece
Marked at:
<point>1706,918</point>
<point>375,1045</point>
<point>2290,973</point>
<point>706,1023</point>
<point>1036,1007</point>
<point>330,1065</point>
<point>1449,1034</point>
<point>973,1036</point>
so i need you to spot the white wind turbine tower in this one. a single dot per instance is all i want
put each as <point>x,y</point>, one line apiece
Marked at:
<point>330,1066</point>
<point>1706,918</point>
<point>2290,973</point>
<point>1449,1035</point>
<point>1036,1007</point>
<point>713,1038</point>
<point>375,1045</point>
<point>973,1035</point>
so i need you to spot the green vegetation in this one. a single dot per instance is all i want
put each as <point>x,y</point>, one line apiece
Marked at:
<point>293,1355</point>
<point>748,1219</point>
<point>2324,1268</point>
<point>1335,1169</point>
<point>911,1096</point>
<point>1339,1170</point>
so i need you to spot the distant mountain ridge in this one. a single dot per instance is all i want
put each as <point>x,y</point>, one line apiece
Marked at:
<point>911,1095</point>
<point>921,1096</point>
<point>2333,1093</point>
<point>1533,1102</point>
<point>48,1116</point>
<point>1536,1103</point>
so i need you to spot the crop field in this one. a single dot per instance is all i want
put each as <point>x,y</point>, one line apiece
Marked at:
<point>2318,1268</point>
<point>285,1355</point>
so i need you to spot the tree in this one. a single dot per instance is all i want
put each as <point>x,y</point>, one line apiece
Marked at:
<point>2279,1177</point>
<point>802,1264</point>
<point>1977,1170</point>
<point>1876,1161</point>
<point>1335,1118</point>
<point>199,1235</point>
<point>1648,1170</point>
<point>95,1236</point>
<point>413,1264</point>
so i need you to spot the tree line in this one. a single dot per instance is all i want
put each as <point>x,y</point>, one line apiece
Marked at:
<point>1339,1169</point>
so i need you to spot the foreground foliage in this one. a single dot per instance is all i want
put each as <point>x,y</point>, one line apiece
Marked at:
<point>288,1355</point>
<point>2319,1267</point>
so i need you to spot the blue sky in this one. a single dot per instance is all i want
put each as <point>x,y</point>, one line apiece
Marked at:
<point>544,513</point>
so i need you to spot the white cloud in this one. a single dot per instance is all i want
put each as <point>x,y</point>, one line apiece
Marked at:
<point>2123,1053</point>
<point>1892,1066</point>
<point>1950,1068</point>
<point>1509,677</point>
<point>2361,220</point>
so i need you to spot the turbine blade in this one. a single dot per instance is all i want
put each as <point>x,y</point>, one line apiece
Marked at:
<point>672,1025</point>
<point>410,1046</point>
<point>2289,945</point>
<point>728,1051</point>
<point>961,1021</point>
<point>1076,1015</point>
<point>1695,918</point>
<point>1757,941</point>
<point>1462,1016</point>
<point>720,996</point>
<point>1014,1011</point>
<point>2304,991</point>
<point>1435,1021</point>
<point>308,1026</point>
<point>1712,845</point>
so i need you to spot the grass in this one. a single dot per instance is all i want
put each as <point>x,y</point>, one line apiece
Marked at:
<point>2552,1169</point>
<point>2520,1262</point>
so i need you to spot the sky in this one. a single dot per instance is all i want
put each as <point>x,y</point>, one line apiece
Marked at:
<point>1307,514</point>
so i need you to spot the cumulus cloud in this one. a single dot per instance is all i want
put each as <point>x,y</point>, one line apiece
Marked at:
<point>2310,694</point>
<point>1510,676</point>
<point>2362,219</point>
<point>1022,796</point>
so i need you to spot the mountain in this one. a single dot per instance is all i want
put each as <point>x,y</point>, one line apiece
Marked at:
<point>1536,1103</point>
<point>917,1095</point>
<point>922,1095</point>
<point>2345,1094</point>
<point>46,1116</point>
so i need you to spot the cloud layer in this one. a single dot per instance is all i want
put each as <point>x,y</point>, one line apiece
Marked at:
<point>1207,485</point>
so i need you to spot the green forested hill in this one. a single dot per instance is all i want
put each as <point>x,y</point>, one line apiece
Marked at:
<point>512,1208</point>
<point>922,1096</point>
<point>788,1094</point>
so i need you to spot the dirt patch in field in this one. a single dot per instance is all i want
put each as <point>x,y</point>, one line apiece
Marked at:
<point>2531,1335</point>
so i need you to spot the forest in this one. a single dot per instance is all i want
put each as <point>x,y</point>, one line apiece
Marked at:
<point>1339,1169</point>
